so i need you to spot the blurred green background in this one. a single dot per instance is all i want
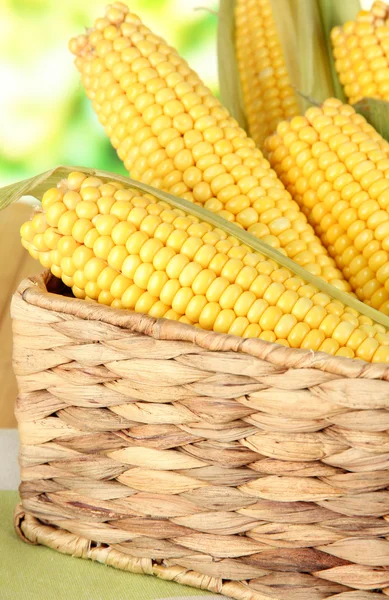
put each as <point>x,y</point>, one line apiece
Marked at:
<point>45,117</point>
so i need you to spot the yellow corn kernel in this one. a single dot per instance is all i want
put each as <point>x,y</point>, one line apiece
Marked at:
<point>54,212</point>
<point>103,246</point>
<point>27,231</point>
<point>92,290</point>
<point>78,292</point>
<point>86,210</point>
<point>50,197</point>
<point>80,229</point>
<point>67,246</point>
<point>106,278</point>
<point>45,259</point>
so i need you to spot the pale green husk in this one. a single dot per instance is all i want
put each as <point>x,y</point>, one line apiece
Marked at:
<point>376,112</point>
<point>334,13</point>
<point>40,183</point>
<point>229,81</point>
<point>300,32</point>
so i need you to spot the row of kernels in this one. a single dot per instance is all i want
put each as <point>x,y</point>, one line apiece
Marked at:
<point>267,92</point>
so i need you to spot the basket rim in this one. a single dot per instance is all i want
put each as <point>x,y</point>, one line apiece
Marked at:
<point>33,290</point>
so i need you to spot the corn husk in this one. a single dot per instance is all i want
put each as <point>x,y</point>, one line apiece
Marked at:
<point>300,30</point>
<point>376,112</point>
<point>334,13</point>
<point>229,82</point>
<point>37,185</point>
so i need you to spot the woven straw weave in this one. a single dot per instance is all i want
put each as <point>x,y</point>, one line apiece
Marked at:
<point>236,466</point>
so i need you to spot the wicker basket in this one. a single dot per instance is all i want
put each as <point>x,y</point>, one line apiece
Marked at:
<point>236,466</point>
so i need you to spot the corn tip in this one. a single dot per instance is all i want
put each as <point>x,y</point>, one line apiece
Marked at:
<point>78,44</point>
<point>121,6</point>
<point>114,15</point>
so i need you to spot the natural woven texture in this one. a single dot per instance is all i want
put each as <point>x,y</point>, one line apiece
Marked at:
<point>29,572</point>
<point>236,466</point>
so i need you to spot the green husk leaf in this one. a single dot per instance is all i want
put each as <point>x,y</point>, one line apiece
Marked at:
<point>376,112</point>
<point>40,183</point>
<point>229,80</point>
<point>334,13</point>
<point>300,32</point>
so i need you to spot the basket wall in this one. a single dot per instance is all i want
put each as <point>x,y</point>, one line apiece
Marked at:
<point>237,466</point>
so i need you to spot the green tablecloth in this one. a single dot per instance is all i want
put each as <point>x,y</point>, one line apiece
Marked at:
<point>39,573</point>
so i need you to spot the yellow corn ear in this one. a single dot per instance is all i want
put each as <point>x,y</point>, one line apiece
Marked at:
<point>361,53</point>
<point>126,249</point>
<point>172,133</point>
<point>336,166</point>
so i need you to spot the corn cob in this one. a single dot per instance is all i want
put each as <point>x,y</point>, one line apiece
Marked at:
<point>267,93</point>
<point>173,134</point>
<point>336,166</point>
<point>361,52</point>
<point>128,250</point>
